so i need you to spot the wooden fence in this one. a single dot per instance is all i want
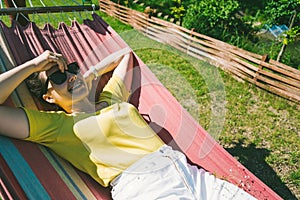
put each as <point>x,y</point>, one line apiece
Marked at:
<point>266,73</point>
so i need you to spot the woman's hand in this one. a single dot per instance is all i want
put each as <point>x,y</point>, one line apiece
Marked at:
<point>47,60</point>
<point>89,76</point>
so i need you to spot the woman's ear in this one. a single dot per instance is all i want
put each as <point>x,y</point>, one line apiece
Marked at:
<point>48,98</point>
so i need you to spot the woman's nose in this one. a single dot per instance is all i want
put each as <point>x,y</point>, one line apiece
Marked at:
<point>72,78</point>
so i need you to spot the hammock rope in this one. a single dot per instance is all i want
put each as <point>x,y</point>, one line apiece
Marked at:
<point>19,13</point>
<point>80,10</point>
<point>44,8</point>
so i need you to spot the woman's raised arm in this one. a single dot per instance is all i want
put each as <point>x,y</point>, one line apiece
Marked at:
<point>11,79</point>
<point>13,121</point>
<point>124,70</point>
<point>109,63</point>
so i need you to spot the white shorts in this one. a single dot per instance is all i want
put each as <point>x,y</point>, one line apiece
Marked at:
<point>165,174</point>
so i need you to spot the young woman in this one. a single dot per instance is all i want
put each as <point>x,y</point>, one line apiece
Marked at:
<point>107,139</point>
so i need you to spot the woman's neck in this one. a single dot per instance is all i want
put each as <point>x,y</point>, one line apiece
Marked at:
<point>81,106</point>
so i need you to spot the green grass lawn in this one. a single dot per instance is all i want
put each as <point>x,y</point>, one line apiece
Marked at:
<point>260,129</point>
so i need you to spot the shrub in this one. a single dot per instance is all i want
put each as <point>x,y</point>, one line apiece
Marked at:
<point>216,18</point>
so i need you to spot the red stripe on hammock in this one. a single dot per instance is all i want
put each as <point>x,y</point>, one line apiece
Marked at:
<point>42,168</point>
<point>10,181</point>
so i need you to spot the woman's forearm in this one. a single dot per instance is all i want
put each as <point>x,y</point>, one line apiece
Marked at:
<point>11,79</point>
<point>124,70</point>
<point>109,63</point>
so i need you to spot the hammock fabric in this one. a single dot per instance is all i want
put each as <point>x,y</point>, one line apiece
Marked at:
<point>29,170</point>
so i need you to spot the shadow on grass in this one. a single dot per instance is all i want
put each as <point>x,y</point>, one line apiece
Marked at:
<point>253,158</point>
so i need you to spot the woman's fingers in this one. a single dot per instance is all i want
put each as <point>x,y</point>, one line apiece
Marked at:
<point>62,63</point>
<point>58,59</point>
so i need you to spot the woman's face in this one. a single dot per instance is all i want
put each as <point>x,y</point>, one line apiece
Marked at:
<point>66,88</point>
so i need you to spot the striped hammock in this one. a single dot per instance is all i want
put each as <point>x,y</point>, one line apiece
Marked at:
<point>30,171</point>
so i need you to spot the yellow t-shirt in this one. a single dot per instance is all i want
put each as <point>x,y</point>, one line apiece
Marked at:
<point>102,144</point>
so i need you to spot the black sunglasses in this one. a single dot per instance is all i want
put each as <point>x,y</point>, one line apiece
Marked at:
<point>59,77</point>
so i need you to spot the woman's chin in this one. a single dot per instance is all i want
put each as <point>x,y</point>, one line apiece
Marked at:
<point>79,92</point>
